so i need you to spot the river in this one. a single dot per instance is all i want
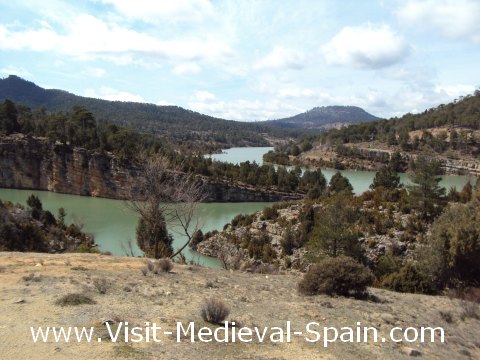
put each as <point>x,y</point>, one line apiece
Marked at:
<point>359,179</point>
<point>113,224</point>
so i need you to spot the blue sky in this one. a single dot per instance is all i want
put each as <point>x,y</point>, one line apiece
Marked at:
<point>248,60</point>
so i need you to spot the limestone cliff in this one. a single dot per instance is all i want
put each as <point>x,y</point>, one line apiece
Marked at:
<point>32,163</point>
<point>372,159</point>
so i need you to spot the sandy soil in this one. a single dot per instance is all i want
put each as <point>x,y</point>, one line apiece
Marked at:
<point>254,300</point>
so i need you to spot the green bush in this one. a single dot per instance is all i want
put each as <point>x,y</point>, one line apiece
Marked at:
<point>197,238</point>
<point>386,265</point>
<point>260,248</point>
<point>410,278</point>
<point>453,249</point>
<point>288,242</point>
<point>270,213</point>
<point>336,276</point>
<point>242,220</point>
<point>340,184</point>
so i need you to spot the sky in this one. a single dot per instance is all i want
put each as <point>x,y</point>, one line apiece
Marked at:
<point>248,60</point>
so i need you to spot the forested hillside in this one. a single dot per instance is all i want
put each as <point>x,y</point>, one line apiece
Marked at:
<point>324,117</point>
<point>448,131</point>
<point>462,113</point>
<point>172,122</point>
<point>79,128</point>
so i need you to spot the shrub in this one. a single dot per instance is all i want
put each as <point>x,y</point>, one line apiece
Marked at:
<point>386,265</point>
<point>261,268</point>
<point>270,213</point>
<point>341,276</point>
<point>101,285</point>
<point>47,218</point>
<point>242,220</point>
<point>454,246</point>
<point>288,242</point>
<point>150,266</point>
<point>410,278</point>
<point>197,238</point>
<point>335,231</point>
<point>447,316</point>
<point>340,184</point>
<point>79,268</point>
<point>470,310</point>
<point>214,311</point>
<point>259,247</point>
<point>34,202</point>
<point>163,265</point>
<point>75,299</point>
<point>32,277</point>
<point>386,178</point>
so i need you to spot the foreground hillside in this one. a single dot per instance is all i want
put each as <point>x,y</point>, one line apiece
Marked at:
<point>30,284</point>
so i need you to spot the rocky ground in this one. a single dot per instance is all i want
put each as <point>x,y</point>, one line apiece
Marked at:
<point>226,246</point>
<point>30,285</point>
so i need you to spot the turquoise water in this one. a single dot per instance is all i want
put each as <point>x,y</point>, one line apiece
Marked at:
<point>113,224</point>
<point>360,180</point>
<point>238,155</point>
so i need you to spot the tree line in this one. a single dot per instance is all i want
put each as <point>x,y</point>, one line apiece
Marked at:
<point>79,127</point>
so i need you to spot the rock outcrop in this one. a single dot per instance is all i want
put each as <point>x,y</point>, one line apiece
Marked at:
<point>33,163</point>
<point>372,159</point>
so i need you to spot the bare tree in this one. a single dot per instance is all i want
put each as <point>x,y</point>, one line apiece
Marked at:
<point>128,248</point>
<point>161,196</point>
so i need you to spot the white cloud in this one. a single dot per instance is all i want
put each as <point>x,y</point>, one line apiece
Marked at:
<point>204,96</point>
<point>186,69</point>
<point>454,91</point>
<point>13,70</point>
<point>88,37</point>
<point>368,47</point>
<point>95,72</point>
<point>245,110</point>
<point>295,92</point>
<point>280,58</point>
<point>108,93</point>
<point>155,11</point>
<point>452,18</point>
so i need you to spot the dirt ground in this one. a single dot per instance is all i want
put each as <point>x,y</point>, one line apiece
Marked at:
<point>30,285</point>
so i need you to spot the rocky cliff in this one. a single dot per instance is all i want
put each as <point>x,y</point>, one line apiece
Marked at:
<point>372,159</point>
<point>32,163</point>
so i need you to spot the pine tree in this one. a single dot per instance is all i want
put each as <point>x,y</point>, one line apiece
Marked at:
<point>387,178</point>
<point>340,184</point>
<point>426,195</point>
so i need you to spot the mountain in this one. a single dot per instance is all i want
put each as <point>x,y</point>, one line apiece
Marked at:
<point>324,117</point>
<point>170,121</point>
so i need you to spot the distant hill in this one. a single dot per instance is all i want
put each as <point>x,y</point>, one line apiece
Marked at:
<point>169,121</point>
<point>324,117</point>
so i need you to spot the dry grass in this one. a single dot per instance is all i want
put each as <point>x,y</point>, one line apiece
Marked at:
<point>253,300</point>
